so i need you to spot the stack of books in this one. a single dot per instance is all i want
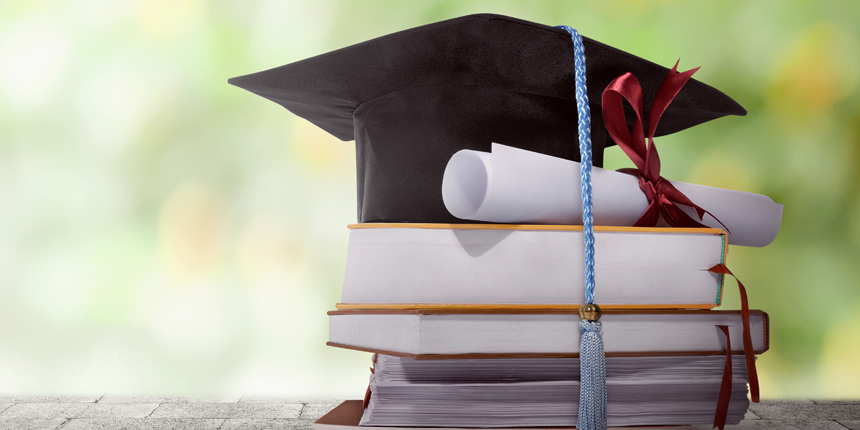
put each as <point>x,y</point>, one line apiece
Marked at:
<point>476,325</point>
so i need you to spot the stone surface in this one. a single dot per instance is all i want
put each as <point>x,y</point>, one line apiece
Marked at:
<point>143,424</point>
<point>108,398</point>
<point>30,423</point>
<point>250,413</point>
<point>303,400</point>
<point>168,399</point>
<point>117,410</point>
<point>809,411</point>
<point>834,402</point>
<point>228,410</point>
<point>46,411</point>
<point>49,399</point>
<point>851,424</point>
<point>266,424</point>
<point>790,402</point>
<point>782,425</point>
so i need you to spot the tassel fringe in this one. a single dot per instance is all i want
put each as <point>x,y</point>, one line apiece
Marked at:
<point>592,385</point>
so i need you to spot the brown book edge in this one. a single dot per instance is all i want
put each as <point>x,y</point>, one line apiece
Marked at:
<point>764,317</point>
<point>544,227</point>
<point>502,306</point>
<point>348,414</point>
<point>529,355</point>
<point>514,310</point>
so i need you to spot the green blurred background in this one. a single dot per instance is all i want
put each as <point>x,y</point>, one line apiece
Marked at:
<point>162,232</point>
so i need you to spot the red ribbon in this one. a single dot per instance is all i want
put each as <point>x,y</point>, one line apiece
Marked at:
<point>367,393</point>
<point>663,197</point>
<point>726,386</point>
<point>749,354</point>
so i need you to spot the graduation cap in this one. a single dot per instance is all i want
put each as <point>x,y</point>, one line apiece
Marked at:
<point>411,99</point>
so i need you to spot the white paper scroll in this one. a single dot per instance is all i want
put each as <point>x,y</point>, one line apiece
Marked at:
<point>512,185</point>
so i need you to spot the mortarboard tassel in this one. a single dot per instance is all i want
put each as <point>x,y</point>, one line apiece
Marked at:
<point>592,361</point>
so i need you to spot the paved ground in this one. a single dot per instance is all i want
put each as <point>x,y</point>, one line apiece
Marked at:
<point>159,413</point>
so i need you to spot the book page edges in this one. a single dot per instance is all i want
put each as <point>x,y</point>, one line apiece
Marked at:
<point>530,355</point>
<point>510,310</point>
<point>348,414</point>
<point>502,306</point>
<point>549,227</point>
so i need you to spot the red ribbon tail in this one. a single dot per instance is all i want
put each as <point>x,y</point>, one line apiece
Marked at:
<point>366,398</point>
<point>726,385</point>
<point>676,217</point>
<point>677,197</point>
<point>714,217</point>
<point>367,393</point>
<point>747,337</point>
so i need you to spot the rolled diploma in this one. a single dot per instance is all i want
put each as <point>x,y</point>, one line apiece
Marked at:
<point>511,185</point>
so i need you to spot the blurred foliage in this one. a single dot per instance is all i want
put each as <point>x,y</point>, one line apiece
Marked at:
<point>164,232</point>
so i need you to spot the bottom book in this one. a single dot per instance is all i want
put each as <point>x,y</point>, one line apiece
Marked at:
<point>544,392</point>
<point>347,415</point>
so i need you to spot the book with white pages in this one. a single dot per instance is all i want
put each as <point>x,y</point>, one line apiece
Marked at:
<point>544,392</point>
<point>347,415</point>
<point>421,266</point>
<point>445,334</point>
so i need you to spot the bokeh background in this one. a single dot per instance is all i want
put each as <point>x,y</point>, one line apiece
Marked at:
<point>162,232</point>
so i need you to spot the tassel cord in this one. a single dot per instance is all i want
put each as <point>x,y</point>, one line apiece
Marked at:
<point>592,389</point>
<point>584,132</point>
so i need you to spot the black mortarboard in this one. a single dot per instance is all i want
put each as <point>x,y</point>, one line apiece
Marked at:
<point>411,99</point>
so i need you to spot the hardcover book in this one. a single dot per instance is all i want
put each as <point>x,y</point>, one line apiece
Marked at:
<point>545,391</point>
<point>347,415</point>
<point>529,266</point>
<point>439,333</point>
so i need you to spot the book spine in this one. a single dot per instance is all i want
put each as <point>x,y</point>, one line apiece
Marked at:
<point>722,280</point>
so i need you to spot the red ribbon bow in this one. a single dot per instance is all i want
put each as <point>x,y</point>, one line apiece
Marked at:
<point>663,197</point>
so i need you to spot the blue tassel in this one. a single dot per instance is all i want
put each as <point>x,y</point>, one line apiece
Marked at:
<point>592,379</point>
<point>592,361</point>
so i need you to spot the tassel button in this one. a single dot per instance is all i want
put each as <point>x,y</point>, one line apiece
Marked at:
<point>590,312</point>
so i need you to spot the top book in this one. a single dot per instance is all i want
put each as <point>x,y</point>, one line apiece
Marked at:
<point>427,266</point>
